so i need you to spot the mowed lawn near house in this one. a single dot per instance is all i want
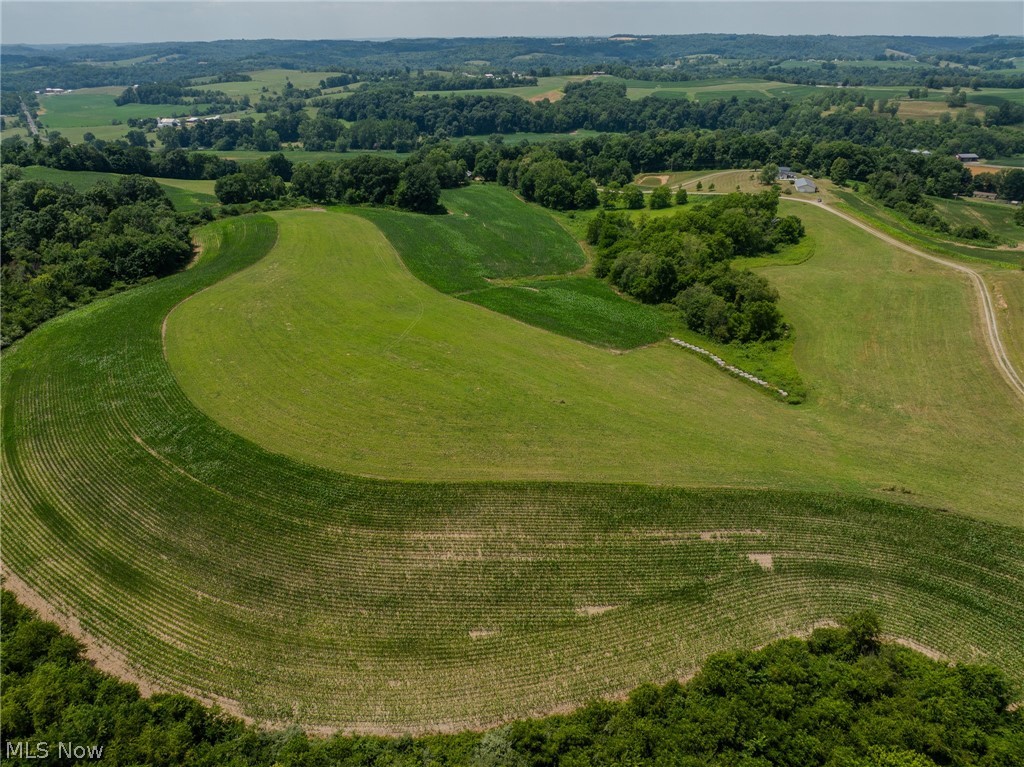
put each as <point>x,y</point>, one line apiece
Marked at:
<point>331,337</point>
<point>198,562</point>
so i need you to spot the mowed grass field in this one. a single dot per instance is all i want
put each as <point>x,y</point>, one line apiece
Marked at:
<point>969,212</point>
<point>274,80</point>
<point>717,89</point>
<point>185,194</point>
<point>1007,290</point>
<point>325,348</point>
<point>291,593</point>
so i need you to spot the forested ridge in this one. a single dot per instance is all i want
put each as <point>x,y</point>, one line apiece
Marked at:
<point>27,68</point>
<point>838,699</point>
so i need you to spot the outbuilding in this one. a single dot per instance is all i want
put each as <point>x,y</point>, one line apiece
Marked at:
<point>967,157</point>
<point>805,185</point>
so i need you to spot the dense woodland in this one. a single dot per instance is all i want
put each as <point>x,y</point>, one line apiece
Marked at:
<point>839,699</point>
<point>64,248</point>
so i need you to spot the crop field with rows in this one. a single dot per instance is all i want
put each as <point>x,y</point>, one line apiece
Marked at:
<point>228,518</point>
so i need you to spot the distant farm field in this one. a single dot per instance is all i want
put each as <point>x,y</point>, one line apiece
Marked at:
<point>185,194</point>
<point>551,88</point>
<point>204,564</point>
<point>273,80</point>
<point>719,89</point>
<point>93,107</point>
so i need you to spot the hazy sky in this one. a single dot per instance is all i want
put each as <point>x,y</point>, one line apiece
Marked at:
<point>83,21</point>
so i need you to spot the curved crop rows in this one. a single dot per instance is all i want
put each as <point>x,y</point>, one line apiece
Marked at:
<point>299,594</point>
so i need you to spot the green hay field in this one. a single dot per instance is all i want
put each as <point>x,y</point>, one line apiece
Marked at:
<point>291,593</point>
<point>488,234</point>
<point>331,335</point>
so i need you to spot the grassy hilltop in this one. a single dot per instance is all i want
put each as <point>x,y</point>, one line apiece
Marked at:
<point>330,336</point>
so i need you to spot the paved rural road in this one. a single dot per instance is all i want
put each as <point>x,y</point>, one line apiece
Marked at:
<point>28,118</point>
<point>995,343</point>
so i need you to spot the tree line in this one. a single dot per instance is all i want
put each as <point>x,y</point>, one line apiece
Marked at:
<point>838,699</point>
<point>63,248</point>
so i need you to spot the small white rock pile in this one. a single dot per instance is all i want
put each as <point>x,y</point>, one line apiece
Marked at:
<point>731,368</point>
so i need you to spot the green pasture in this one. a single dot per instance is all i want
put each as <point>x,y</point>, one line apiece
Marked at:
<point>292,593</point>
<point>469,395</point>
<point>185,194</point>
<point>274,80</point>
<point>488,234</point>
<point>942,244</point>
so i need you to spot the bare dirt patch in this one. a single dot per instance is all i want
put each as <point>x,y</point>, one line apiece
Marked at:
<point>648,180</point>
<point>913,644</point>
<point>590,610</point>
<point>553,95</point>
<point>724,535</point>
<point>197,253</point>
<point>765,560</point>
<point>483,633</point>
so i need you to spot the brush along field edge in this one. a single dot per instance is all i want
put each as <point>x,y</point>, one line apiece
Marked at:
<point>291,593</point>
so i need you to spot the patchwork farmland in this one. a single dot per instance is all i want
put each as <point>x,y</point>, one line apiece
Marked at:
<point>506,422</point>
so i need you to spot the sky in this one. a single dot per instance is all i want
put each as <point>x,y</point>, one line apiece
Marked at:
<point>84,21</point>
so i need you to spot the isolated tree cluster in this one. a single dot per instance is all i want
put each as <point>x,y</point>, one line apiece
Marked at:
<point>683,259</point>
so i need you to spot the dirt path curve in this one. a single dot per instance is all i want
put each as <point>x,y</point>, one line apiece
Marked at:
<point>995,343</point>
